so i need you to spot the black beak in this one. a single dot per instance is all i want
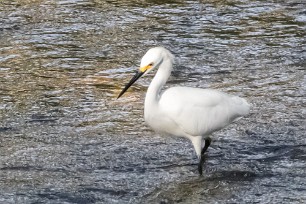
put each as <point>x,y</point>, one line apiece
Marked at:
<point>132,81</point>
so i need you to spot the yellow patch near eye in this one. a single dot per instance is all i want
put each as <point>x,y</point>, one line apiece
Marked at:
<point>145,68</point>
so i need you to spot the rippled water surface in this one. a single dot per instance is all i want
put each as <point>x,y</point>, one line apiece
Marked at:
<point>64,138</point>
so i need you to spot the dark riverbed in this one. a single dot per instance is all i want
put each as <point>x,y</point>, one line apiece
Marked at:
<point>64,138</point>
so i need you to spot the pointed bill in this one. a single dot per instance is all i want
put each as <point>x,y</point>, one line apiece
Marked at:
<point>132,81</point>
<point>138,74</point>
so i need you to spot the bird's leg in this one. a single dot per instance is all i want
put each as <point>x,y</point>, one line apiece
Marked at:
<point>202,158</point>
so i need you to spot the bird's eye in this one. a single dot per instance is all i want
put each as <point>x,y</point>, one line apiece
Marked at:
<point>151,64</point>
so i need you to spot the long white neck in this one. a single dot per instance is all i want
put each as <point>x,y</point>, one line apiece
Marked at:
<point>161,77</point>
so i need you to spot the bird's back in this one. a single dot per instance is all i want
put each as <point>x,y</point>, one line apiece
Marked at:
<point>200,112</point>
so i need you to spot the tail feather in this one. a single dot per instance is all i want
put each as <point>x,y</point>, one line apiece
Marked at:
<point>243,107</point>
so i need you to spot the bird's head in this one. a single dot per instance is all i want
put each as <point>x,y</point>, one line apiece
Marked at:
<point>151,60</point>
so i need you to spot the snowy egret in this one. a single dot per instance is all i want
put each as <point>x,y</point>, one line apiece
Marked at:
<point>184,111</point>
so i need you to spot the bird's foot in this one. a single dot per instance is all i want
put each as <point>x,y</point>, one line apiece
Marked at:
<point>202,158</point>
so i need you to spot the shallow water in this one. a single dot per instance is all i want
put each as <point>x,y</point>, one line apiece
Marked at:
<point>66,139</point>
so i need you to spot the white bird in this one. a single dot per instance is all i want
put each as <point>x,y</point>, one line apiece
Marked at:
<point>187,112</point>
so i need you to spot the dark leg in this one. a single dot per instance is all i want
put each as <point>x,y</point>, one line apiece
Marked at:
<point>202,159</point>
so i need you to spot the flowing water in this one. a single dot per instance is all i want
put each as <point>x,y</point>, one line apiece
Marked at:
<point>64,138</point>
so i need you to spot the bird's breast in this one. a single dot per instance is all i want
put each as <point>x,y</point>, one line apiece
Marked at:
<point>163,124</point>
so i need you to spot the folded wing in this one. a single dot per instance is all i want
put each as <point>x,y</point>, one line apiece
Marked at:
<point>201,111</point>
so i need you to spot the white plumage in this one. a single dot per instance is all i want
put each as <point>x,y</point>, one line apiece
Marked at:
<point>184,111</point>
